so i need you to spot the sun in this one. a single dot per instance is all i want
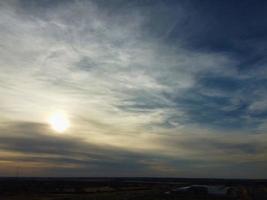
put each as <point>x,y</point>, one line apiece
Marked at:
<point>59,122</point>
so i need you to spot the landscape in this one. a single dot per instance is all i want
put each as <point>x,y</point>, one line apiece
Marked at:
<point>133,99</point>
<point>130,188</point>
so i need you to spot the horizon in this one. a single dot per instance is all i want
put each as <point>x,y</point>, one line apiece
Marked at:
<point>132,177</point>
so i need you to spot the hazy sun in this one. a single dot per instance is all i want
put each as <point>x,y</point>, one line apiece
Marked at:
<point>59,122</point>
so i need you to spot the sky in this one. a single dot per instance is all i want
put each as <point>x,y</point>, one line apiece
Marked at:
<point>149,88</point>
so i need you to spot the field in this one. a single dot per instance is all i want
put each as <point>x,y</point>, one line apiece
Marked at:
<point>122,189</point>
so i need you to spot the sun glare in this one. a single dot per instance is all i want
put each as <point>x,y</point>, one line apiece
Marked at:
<point>59,122</point>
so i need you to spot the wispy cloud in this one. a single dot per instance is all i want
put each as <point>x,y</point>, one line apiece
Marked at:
<point>133,77</point>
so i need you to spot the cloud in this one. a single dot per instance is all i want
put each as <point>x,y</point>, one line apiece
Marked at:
<point>31,145</point>
<point>144,79</point>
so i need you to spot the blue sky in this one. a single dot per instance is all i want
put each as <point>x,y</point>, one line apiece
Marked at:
<point>150,88</point>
